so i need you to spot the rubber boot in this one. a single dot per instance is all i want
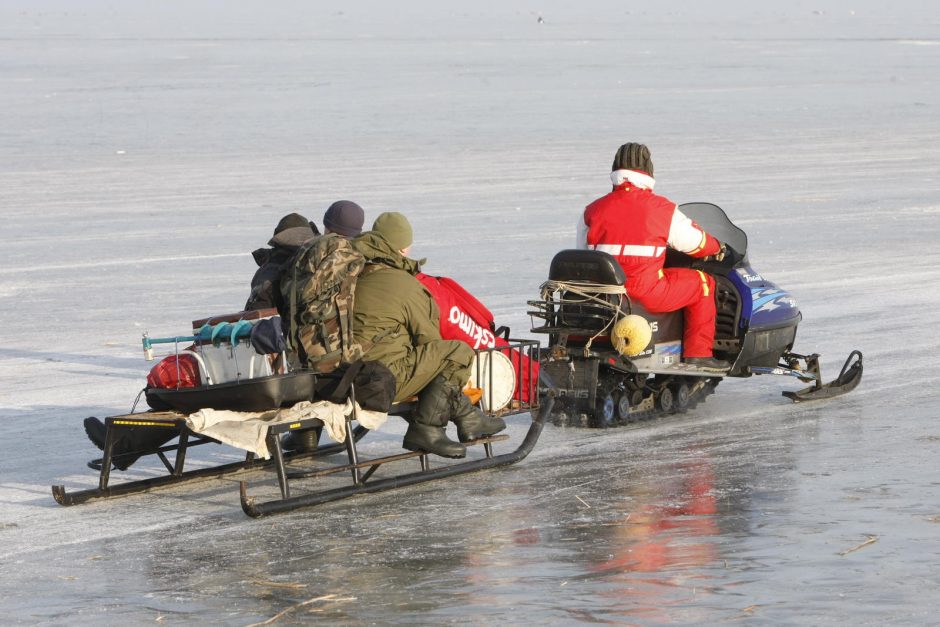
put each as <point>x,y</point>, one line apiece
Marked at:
<point>131,444</point>
<point>708,363</point>
<point>301,440</point>
<point>434,440</point>
<point>426,429</point>
<point>96,431</point>
<point>472,423</point>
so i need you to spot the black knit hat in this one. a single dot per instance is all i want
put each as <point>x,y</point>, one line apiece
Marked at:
<point>292,230</point>
<point>633,157</point>
<point>344,217</point>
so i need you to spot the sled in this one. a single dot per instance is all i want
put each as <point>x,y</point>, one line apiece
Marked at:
<point>268,391</point>
<point>602,380</point>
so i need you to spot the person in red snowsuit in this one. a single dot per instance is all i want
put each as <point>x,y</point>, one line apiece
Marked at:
<point>636,226</point>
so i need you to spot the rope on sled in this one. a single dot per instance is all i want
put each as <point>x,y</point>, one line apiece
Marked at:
<point>588,293</point>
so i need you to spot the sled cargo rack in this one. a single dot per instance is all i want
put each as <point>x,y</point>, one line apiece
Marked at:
<point>525,399</point>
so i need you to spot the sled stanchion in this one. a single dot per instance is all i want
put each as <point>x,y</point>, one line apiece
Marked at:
<point>106,457</point>
<point>181,453</point>
<point>274,447</point>
<point>351,451</point>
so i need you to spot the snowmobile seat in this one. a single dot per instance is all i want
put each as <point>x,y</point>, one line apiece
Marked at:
<point>585,267</point>
<point>590,266</point>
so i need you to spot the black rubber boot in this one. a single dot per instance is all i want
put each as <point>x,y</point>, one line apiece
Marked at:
<point>96,431</point>
<point>301,440</point>
<point>131,444</point>
<point>472,423</point>
<point>434,440</point>
<point>426,429</point>
<point>708,363</point>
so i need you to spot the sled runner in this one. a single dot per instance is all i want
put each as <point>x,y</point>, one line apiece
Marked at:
<point>613,362</point>
<point>219,353</point>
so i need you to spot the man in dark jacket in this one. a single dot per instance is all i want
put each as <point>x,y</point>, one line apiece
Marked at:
<point>398,319</point>
<point>293,231</point>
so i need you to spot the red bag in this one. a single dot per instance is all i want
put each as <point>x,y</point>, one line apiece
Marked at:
<point>465,318</point>
<point>165,373</point>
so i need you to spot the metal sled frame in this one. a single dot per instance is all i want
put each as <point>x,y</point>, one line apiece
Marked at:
<point>187,439</point>
<point>361,470</point>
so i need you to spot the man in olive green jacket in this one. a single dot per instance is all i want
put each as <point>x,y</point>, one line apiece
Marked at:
<point>396,317</point>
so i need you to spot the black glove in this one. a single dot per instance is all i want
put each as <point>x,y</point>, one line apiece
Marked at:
<point>722,251</point>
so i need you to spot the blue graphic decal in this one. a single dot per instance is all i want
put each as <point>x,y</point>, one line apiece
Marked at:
<point>761,297</point>
<point>669,348</point>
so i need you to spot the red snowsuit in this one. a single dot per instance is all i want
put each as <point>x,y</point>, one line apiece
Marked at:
<point>635,226</point>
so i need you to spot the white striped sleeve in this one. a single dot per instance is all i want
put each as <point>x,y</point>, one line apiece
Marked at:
<point>683,235</point>
<point>580,240</point>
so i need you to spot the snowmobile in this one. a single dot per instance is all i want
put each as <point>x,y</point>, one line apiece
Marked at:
<point>611,362</point>
<point>229,372</point>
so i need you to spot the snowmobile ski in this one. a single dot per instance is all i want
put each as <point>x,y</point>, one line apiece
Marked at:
<point>849,378</point>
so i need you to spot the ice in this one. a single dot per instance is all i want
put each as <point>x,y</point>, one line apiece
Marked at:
<point>146,149</point>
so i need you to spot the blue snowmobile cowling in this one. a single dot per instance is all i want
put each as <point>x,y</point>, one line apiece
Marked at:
<point>600,382</point>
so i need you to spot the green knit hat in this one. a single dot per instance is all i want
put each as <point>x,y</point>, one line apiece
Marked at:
<point>396,230</point>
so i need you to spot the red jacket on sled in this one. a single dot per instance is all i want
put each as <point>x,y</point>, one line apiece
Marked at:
<point>465,318</point>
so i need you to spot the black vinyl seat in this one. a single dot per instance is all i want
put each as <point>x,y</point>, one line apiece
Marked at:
<point>591,266</point>
<point>576,313</point>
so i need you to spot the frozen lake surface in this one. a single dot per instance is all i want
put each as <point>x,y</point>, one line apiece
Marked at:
<point>145,152</point>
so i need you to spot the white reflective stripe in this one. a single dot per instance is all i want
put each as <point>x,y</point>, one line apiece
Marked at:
<point>629,250</point>
<point>642,251</point>
<point>612,249</point>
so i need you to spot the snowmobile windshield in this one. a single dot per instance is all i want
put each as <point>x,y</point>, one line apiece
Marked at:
<point>713,219</point>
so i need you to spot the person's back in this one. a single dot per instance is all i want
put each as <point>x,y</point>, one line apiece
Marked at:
<point>636,226</point>
<point>393,312</point>
<point>291,232</point>
<point>640,217</point>
<point>396,321</point>
<point>389,304</point>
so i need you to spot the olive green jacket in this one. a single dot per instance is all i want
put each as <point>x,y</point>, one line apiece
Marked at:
<point>393,312</point>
